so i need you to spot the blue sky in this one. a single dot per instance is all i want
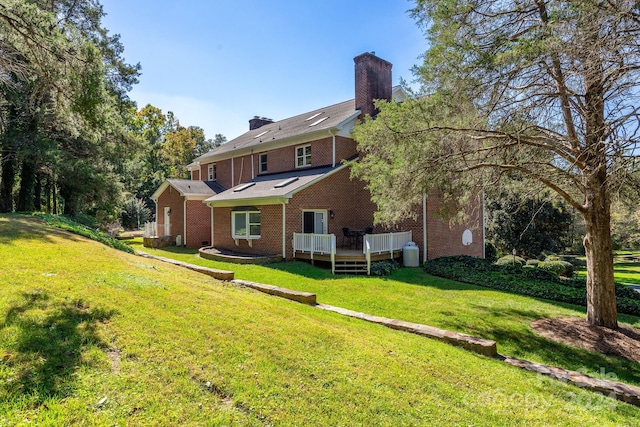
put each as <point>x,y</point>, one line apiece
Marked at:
<point>217,63</point>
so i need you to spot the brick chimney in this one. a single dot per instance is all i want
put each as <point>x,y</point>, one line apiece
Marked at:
<point>258,122</point>
<point>373,81</point>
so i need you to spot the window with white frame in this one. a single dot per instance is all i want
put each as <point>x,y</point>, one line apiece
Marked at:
<point>303,156</point>
<point>211,172</point>
<point>245,224</point>
<point>263,163</point>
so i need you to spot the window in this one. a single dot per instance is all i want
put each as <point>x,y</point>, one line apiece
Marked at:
<point>263,163</point>
<point>246,225</point>
<point>303,156</point>
<point>314,222</point>
<point>211,172</point>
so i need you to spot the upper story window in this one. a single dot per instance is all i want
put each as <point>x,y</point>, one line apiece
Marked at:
<point>211,172</point>
<point>263,163</point>
<point>303,156</point>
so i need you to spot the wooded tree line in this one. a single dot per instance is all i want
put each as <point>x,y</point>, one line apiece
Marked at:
<point>71,140</point>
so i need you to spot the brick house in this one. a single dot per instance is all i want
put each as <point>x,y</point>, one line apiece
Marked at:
<point>270,189</point>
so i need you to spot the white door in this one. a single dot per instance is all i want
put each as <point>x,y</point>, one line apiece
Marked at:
<point>167,222</point>
<point>314,222</point>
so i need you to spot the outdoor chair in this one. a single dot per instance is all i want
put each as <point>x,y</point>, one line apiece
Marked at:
<point>349,236</point>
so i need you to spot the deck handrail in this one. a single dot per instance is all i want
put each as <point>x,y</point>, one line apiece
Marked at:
<point>386,242</point>
<point>153,229</point>
<point>367,254</point>
<point>316,244</point>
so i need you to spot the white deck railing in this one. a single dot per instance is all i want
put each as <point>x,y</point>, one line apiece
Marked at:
<point>153,229</point>
<point>316,244</point>
<point>384,242</point>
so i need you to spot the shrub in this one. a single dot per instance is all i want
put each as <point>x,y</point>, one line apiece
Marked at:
<point>533,262</point>
<point>384,268</point>
<point>135,214</point>
<point>534,282</point>
<point>509,260</point>
<point>560,268</point>
<point>490,252</point>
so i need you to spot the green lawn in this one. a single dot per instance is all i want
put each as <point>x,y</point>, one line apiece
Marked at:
<point>93,336</point>
<point>627,272</point>
<point>411,295</point>
<point>623,271</point>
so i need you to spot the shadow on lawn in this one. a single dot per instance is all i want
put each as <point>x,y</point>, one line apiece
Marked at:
<point>21,227</point>
<point>528,342</point>
<point>49,339</point>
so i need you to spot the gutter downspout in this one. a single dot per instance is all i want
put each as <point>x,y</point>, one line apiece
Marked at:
<point>424,227</point>
<point>212,243</point>
<point>333,143</point>
<point>284,230</point>
<point>184,221</point>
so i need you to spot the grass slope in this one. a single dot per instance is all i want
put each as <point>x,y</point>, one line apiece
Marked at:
<point>410,294</point>
<point>94,336</point>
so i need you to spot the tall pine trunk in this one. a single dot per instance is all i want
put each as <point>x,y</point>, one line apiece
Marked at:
<point>26,193</point>
<point>601,291</point>
<point>8,179</point>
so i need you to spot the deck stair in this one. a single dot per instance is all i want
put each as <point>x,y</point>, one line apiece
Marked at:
<point>351,267</point>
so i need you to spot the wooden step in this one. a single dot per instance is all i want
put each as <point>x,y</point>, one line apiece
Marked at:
<point>350,267</point>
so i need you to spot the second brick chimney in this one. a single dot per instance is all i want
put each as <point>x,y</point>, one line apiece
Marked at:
<point>258,122</point>
<point>373,81</point>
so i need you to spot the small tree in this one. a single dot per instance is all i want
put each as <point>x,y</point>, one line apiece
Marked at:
<point>135,213</point>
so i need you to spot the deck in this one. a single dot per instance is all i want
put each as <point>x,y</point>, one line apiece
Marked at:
<point>322,247</point>
<point>348,255</point>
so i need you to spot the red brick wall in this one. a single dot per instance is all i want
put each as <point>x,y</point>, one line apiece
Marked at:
<point>270,241</point>
<point>171,198</point>
<point>445,239</point>
<point>195,175</point>
<point>280,160</point>
<point>198,224</point>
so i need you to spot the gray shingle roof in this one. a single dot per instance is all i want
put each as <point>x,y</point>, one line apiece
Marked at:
<point>187,187</point>
<point>310,122</point>
<point>280,185</point>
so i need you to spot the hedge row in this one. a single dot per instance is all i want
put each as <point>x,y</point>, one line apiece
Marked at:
<point>532,282</point>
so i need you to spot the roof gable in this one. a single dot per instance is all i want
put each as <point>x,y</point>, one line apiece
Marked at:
<point>190,189</point>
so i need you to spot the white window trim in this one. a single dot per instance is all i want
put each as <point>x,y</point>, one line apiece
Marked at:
<point>212,172</point>
<point>266,167</point>
<point>248,216</point>
<point>304,156</point>
<point>325,225</point>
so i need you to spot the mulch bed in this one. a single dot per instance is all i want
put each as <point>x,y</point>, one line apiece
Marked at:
<point>623,342</point>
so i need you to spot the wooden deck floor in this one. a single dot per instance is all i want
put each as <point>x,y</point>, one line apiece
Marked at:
<point>348,255</point>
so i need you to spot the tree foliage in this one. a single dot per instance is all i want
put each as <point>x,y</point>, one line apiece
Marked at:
<point>531,225</point>
<point>545,89</point>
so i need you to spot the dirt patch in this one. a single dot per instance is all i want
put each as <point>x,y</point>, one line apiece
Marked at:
<point>623,342</point>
